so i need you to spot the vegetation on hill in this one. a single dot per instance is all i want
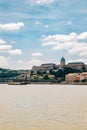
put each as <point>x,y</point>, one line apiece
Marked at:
<point>63,71</point>
<point>6,73</point>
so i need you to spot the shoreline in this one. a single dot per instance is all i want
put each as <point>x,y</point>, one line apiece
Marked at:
<point>61,83</point>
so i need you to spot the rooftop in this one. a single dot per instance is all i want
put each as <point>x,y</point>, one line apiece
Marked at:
<point>76,63</point>
<point>47,64</point>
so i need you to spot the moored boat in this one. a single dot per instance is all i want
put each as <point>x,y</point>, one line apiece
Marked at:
<point>17,83</point>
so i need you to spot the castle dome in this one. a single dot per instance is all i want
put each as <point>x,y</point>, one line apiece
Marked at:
<point>62,62</point>
<point>62,59</point>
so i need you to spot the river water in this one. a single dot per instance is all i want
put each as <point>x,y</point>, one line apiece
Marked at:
<point>43,107</point>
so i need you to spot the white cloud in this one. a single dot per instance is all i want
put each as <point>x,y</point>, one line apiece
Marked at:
<point>80,49</point>
<point>39,2</point>
<point>69,22</point>
<point>38,23</point>
<point>15,52</point>
<point>72,43</point>
<point>2,41</point>
<point>46,26</point>
<point>5,48</point>
<point>58,38</point>
<point>82,36</point>
<point>37,54</point>
<point>11,26</point>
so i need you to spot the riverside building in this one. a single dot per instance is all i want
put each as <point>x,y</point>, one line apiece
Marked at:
<point>51,66</point>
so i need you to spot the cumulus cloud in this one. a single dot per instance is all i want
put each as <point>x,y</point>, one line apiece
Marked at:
<point>82,36</point>
<point>11,26</point>
<point>39,2</point>
<point>7,48</point>
<point>15,52</point>
<point>37,54</point>
<point>74,43</point>
<point>58,38</point>
<point>2,41</point>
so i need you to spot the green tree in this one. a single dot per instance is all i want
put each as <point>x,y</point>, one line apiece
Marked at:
<point>59,80</point>
<point>36,77</point>
<point>46,77</point>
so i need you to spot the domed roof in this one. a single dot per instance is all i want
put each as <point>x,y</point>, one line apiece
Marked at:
<point>62,59</point>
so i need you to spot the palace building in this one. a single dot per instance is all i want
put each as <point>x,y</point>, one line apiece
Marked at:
<point>77,65</point>
<point>51,66</point>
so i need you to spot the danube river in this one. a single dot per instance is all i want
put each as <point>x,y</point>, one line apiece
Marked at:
<point>43,107</point>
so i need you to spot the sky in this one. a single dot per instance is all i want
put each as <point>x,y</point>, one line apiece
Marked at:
<point>33,32</point>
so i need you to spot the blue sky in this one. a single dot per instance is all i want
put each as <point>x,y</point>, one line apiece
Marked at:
<point>33,32</point>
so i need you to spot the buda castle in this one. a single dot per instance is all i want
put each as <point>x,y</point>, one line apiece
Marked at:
<point>80,66</point>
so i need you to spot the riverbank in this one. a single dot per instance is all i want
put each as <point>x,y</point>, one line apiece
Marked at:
<point>62,83</point>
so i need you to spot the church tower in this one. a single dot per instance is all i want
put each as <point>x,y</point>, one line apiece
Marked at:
<point>62,62</point>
